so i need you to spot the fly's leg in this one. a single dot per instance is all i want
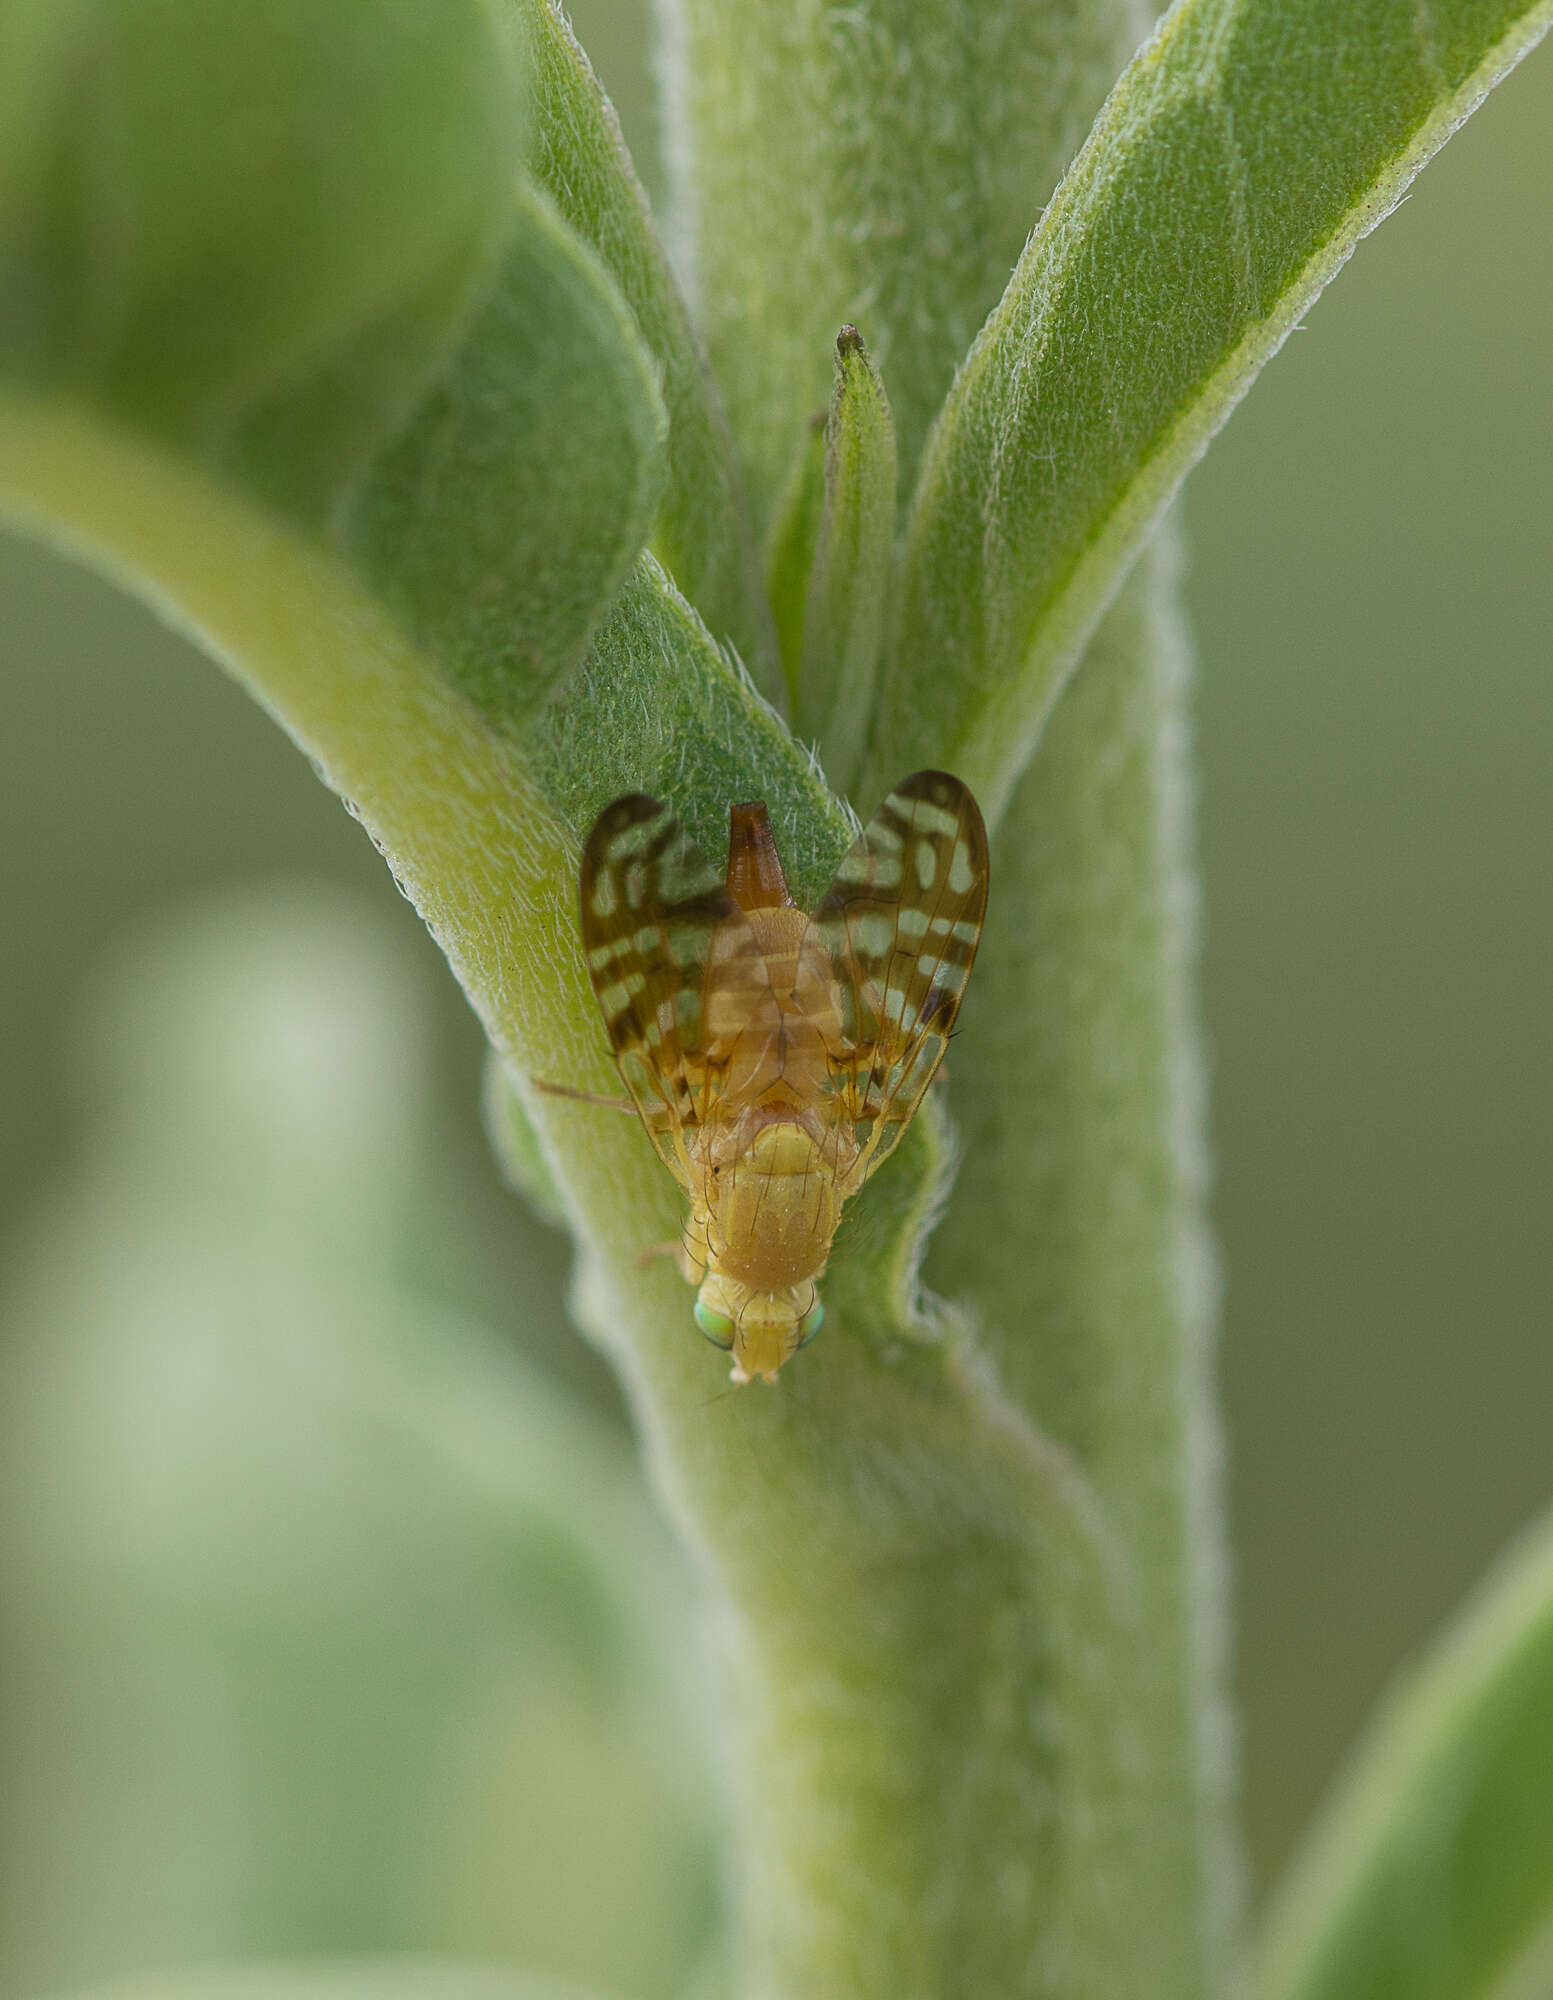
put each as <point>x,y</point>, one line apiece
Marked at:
<point>584,1096</point>
<point>688,1252</point>
<point>690,1271</point>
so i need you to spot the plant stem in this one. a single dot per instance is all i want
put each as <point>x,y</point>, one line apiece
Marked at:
<point>969,1596</point>
<point>1077,1235</point>
<point>983,1727</point>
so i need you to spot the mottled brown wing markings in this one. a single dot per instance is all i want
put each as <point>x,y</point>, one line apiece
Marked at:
<point>654,914</point>
<point>687,994</point>
<point>901,922</point>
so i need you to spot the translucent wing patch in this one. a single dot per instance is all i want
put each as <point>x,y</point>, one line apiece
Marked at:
<point>654,917</point>
<point>900,924</point>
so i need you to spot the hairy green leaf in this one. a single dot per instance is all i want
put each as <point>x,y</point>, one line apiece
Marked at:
<point>1430,1874</point>
<point>208,209</point>
<point>290,247</point>
<point>790,551</point>
<point>853,565</point>
<point>702,536</point>
<point>500,524</point>
<point>1242,156</point>
<point>659,709</point>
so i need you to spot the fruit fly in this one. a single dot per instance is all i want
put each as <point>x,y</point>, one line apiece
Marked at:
<point>774,1056</point>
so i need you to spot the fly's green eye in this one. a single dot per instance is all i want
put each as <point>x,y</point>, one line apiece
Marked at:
<point>717,1327</point>
<point>811,1322</point>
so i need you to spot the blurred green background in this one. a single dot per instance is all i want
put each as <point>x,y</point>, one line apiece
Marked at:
<point>1372,588</point>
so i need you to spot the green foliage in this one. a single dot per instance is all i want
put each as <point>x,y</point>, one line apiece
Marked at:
<point>1430,1873</point>
<point>540,425</point>
<point>877,167</point>
<point>703,535</point>
<point>843,627</point>
<point>790,550</point>
<point>338,1627</point>
<point>345,336</point>
<point>157,261</point>
<point>1242,156</point>
<point>324,294</point>
<point>392,1979</point>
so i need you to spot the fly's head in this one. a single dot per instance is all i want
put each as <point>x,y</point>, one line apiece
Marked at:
<point>761,1329</point>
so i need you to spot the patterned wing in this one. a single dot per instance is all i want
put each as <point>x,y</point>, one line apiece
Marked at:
<point>900,925</point>
<point>654,913</point>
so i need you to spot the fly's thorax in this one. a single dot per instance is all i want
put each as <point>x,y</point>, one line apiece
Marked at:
<point>772,1203</point>
<point>762,1329</point>
<point>769,1002</point>
<point>803,979</point>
